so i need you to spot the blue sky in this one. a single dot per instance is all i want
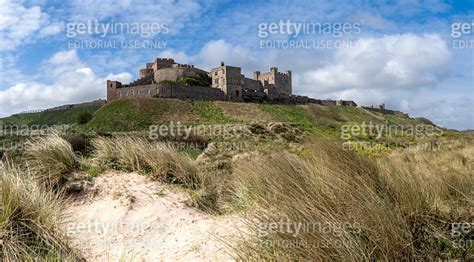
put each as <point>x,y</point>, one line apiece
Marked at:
<point>404,54</point>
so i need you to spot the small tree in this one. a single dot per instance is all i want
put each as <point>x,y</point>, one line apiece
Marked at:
<point>83,118</point>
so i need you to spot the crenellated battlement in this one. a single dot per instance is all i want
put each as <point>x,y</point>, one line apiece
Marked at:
<point>182,66</point>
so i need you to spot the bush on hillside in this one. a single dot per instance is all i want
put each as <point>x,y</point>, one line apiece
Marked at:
<point>83,118</point>
<point>167,82</point>
<point>80,143</point>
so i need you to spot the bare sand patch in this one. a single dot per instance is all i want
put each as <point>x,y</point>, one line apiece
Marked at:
<point>132,218</point>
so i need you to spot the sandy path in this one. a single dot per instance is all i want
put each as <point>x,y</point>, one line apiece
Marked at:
<point>133,219</point>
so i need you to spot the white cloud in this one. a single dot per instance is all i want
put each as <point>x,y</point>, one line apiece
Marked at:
<point>74,83</point>
<point>18,24</point>
<point>213,53</point>
<point>175,13</point>
<point>52,29</point>
<point>404,61</point>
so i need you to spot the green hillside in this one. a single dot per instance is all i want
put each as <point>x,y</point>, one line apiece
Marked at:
<point>136,114</point>
<point>53,117</point>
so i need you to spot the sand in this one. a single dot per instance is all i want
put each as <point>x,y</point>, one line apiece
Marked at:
<point>127,217</point>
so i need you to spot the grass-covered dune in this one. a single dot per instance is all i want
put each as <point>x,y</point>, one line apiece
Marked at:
<point>285,166</point>
<point>139,113</point>
<point>320,202</point>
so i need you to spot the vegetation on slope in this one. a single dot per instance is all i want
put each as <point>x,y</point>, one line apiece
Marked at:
<point>344,207</point>
<point>348,206</point>
<point>134,114</point>
<point>52,117</point>
<point>30,220</point>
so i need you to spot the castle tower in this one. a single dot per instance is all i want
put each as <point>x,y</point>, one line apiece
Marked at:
<point>229,80</point>
<point>144,72</point>
<point>112,89</point>
<point>256,75</point>
<point>274,75</point>
<point>288,87</point>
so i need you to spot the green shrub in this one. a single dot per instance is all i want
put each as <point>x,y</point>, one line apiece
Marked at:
<point>83,118</point>
<point>80,143</point>
<point>168,82</point>
<point>188,81</point>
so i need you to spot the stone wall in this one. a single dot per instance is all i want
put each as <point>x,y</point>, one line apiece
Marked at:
<point>176,73</point>
<point>171,91</point>
<point>384,111</point>
<point>98,102</point>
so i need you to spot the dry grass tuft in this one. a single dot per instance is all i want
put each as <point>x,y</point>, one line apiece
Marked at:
<point>137,154</point>
<point>51,158</point>
<point>29,220</point>
<point>353,208</point>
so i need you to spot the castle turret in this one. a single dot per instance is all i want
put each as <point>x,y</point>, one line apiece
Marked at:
<point>145,72</point>
<point>289,87</point>
<point>256,75</point>
<point>112,89</point>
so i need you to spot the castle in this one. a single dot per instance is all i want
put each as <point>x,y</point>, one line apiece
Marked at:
<point>165,78</point>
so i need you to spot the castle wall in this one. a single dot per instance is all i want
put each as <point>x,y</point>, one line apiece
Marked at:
<point>193,92</point>
<point>167,91</point>
<point>227,84</point>
<point>175,73</point>
<point>250,84</point>
<point>384,111</point>
<point>161,63</point>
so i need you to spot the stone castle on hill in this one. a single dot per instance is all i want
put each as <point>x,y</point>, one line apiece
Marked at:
<point>165,78</point>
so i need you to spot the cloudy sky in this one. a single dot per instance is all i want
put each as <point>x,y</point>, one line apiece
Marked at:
<point>415,56</point>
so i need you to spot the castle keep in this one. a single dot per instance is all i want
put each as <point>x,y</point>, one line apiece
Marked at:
<point>272,85</point>
<point>167,79</point>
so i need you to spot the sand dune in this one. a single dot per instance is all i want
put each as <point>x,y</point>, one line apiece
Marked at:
<point>126,216</point>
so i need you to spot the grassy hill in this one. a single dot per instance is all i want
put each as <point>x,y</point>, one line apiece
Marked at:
<point>137,114</point>
<point>53,117</point>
